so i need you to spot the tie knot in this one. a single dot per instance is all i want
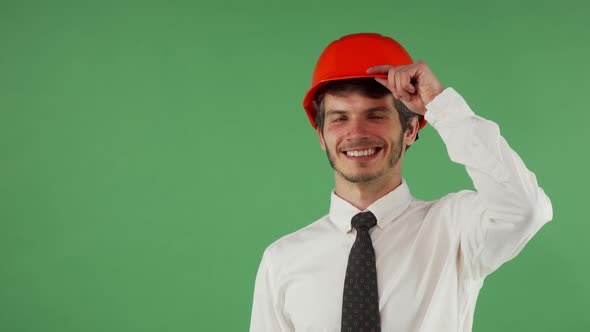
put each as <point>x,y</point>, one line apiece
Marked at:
<point>364,220</point>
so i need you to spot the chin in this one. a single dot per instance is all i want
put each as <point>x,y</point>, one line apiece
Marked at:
<point>361,177</point>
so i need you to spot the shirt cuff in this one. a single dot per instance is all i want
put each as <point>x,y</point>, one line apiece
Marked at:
<point>447,106</point>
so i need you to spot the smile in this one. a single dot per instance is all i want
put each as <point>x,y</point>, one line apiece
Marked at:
<point>368,152</point>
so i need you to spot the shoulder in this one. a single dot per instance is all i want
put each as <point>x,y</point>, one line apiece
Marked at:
<point>447,200</point>
<point>459,197</point>
<point>450,207</point>
<point>296,242</point>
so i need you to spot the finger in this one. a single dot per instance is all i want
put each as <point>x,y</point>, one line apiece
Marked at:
<point>381,69</point>
<point>382,81</point>
<point>391,82</point>
<point>409,84</point>
<point>400,83</point>
<point>385,83</point>
<point>406,83</point>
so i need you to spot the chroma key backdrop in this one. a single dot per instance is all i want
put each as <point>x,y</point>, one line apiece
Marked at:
<point>151,150</point>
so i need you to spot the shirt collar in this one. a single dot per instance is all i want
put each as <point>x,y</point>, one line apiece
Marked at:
<point>386,208</point>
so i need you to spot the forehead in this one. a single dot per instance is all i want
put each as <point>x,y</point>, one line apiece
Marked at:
<point>356,102</point>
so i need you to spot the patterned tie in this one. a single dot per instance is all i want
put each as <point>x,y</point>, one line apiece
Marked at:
<point>360,302</point>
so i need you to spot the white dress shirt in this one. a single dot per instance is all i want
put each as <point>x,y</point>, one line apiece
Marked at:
<point>431,256</point>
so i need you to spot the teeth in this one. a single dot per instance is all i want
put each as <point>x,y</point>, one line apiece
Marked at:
<point>361,153</point>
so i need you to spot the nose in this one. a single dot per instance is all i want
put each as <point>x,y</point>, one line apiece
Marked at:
<point>357,130</point>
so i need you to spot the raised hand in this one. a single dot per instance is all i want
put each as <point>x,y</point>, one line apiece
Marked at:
<point>415,85</point>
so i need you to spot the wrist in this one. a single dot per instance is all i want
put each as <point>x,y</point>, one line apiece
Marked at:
<point>433,94</point>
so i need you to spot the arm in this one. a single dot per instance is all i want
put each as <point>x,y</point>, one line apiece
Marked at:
<point>509,207</point>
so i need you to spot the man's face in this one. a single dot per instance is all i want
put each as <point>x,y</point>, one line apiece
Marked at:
<point>363,137</point>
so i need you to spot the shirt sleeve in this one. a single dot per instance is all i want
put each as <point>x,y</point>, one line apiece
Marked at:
<point>266,314</point>
<point>508,207</point>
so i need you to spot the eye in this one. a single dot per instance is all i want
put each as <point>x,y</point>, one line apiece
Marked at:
<point>376,117</point>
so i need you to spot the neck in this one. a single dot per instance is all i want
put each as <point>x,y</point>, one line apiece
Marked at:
<point>361,195</point>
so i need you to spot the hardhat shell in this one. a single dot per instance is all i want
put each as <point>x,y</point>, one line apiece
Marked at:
<point>350,57</point>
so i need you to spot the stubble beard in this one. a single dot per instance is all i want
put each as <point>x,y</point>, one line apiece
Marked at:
<point>396,153</point>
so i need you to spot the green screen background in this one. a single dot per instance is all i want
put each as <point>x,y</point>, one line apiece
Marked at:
<point>151,150</point>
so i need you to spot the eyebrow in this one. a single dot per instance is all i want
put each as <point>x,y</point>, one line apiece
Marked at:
<point>370,110</point>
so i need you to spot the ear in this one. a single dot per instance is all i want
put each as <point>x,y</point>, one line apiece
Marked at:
<point>321,137</point>
<point>411,131</point>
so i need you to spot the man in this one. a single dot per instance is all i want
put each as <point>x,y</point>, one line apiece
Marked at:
<point>382,260</point>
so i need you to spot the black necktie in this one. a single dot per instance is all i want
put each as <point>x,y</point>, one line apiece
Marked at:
<point>360,301</point>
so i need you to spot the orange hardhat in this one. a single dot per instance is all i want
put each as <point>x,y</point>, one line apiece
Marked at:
<point>350,57</point>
